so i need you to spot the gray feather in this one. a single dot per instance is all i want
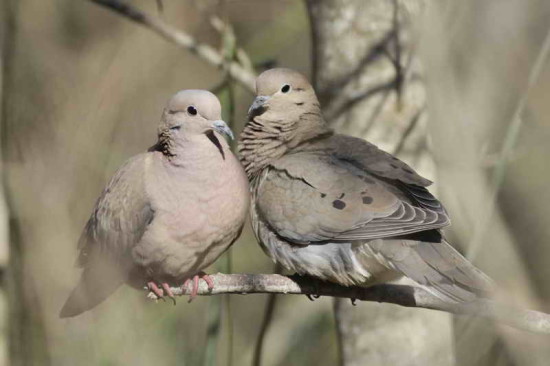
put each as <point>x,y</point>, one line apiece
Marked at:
<point>437,266</point>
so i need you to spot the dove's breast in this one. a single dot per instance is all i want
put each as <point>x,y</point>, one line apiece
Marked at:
<point>199,210</point>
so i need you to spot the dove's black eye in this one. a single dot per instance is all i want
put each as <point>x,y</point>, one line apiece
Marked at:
<point>285,88</point>
<point>192,110</point>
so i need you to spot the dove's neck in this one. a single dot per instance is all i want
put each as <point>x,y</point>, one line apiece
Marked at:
<point>165,144</point>
<point>267,138</point>
<point>197,150</point>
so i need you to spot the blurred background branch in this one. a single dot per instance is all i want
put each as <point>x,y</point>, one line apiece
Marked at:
<point>266,322</point>
<point>508,146</point>
<point>240,72</point>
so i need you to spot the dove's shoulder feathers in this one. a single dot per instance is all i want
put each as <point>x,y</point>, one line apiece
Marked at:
<point>121,213</point>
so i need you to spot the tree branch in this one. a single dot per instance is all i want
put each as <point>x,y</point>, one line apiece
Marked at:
<point>408,296</point>
<point>181,39</point>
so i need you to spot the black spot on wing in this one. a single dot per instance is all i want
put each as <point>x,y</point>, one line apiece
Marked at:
<point>323,195</point>
<point>367,200</point>
<point>339,205</point>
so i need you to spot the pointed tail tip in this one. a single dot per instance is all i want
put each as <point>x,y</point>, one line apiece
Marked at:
<point>69,310</point>
<point>77,303</point>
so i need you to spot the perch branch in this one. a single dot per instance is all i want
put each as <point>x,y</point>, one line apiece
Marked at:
<point>183,40</point>
<point>409,296</point>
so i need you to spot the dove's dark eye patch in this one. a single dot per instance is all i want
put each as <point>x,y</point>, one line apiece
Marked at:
<point>192,110</point>
<point>285,88</point>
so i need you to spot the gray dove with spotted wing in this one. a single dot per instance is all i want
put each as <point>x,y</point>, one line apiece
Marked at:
<point>337,207</point>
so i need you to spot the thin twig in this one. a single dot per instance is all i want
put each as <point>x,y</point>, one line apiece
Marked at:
<point>508,147</point>
<point>212,332</point>
<point>412,124</point>
<point>336,310</point>
<point>396,61</point>
<point>228,35</point>
<point>183,40</point>
<point>160,6</point>
<point>227,97</point>
<point>333,110</point>
<point>266,322</point>
<point>408,296</point>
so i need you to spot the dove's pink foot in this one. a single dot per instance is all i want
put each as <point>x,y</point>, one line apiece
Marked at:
<point>195,288</point>
<point>160,291</point>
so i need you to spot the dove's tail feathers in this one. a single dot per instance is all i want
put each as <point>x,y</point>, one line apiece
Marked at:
<point>443,271</point>
<point>96,284</point>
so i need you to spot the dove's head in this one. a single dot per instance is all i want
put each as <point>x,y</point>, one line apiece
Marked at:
<point>191,115</point>
<point>283,91</point>
<point>193,112</point>
<point>284,115</point>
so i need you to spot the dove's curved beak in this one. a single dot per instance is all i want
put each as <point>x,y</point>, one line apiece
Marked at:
<point>222,127</point>
<point>258,106</point>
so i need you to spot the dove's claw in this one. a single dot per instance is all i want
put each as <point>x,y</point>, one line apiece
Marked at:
<point>195,287</point>
<point>160,291</point>
<point>155,289</point>
<point>208,280</point>
<point>169,292</point>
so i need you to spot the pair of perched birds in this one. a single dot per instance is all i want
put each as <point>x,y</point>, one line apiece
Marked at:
<point>322,204</point>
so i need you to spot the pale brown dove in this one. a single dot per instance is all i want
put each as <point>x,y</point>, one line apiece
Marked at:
<point>337,207</point>
<point>167,213</point>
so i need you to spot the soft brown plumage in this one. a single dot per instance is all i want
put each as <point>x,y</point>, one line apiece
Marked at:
<point>167,213</point>
<point>337,207</point>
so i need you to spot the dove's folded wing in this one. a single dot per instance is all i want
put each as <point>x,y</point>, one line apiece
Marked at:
<point>119,219</point>
<point>313,197</point>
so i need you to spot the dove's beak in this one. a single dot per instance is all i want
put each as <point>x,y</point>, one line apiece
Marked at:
<point>258,106</point>
<point>222,127</point>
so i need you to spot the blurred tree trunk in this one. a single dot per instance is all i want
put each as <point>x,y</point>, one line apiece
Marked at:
<point>367,78</point>
<point>27,341</point>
